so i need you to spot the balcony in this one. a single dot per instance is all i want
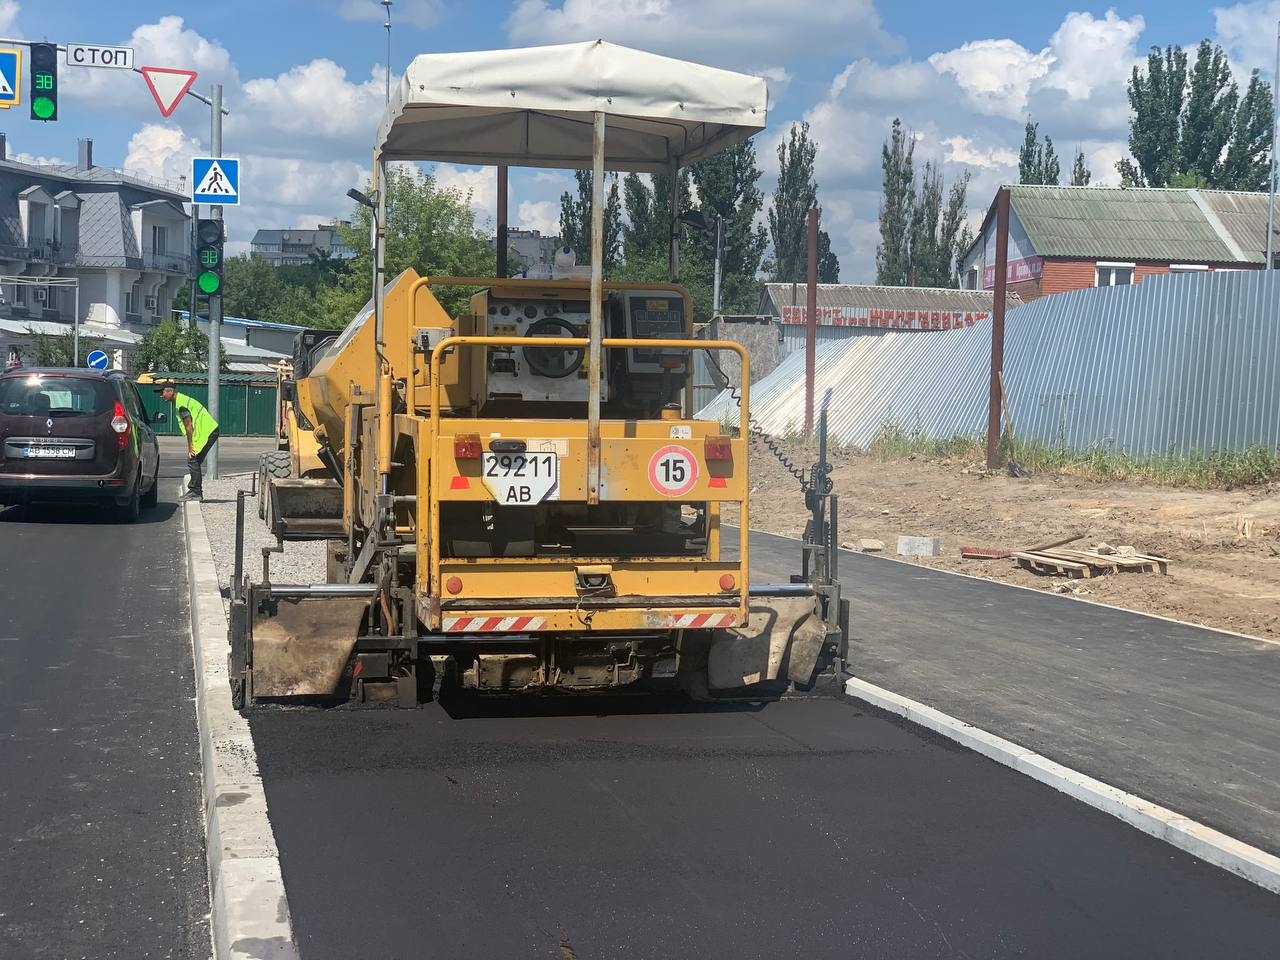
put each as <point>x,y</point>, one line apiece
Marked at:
<point>166,262</point>
<point>126,263</point>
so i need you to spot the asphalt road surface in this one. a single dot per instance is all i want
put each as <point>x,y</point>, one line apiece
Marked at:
<point>1175,713</point>
<point>103,847</point>
<point>615,828</point>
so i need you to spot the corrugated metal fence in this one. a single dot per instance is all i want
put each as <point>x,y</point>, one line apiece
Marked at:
<point>1180,364</point>
<point>246,404</point>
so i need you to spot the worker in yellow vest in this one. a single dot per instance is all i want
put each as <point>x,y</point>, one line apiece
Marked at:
<point>201,431</point>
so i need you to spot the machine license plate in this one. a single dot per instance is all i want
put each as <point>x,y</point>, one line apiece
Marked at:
<point>49,453</point>
<point>521,479</point>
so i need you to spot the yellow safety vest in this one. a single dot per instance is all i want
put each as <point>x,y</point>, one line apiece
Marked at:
<point>202,422</point>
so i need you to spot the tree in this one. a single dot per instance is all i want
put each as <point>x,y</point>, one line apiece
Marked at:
<point>727,189</point>
<point>57,349</point>
<point>1037,161</point>
<point>795,194</point>
<point>173,347</point>
<point>897,159</point>
<point>921,241</point>
<point>1080,175</point>
<point>1192,126</point>
<point>429,228</point>
<point>575,221</point>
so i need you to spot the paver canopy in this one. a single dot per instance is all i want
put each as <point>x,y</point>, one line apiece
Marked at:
<point>534,107</point>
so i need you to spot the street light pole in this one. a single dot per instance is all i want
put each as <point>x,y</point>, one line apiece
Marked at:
<point>715,296</point>
<point>1271,190</point>
<point>387,4</point>
<point>215,302</point>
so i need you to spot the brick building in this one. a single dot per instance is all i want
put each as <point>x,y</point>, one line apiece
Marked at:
<point>1070,238</point>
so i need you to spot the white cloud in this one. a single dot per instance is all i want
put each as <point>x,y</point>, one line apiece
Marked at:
<point>165,43</point>
<point>541,215</point>
<point>738,34</point>
<point>417,13</point>
<point>160,152</point>
<point>9,10</point>
<point>480,183</point>
<point>996,75</point>
<point>308,103</point>
<point>1247,32</point>
<point>963,150</point>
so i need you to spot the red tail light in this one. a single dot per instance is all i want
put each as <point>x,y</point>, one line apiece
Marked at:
<point>718,448</point>
<point>466,446</point>
<point>120,424</point>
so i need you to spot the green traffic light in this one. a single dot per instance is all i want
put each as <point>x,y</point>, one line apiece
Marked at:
<point>209,282</point>
<point>43,107</point>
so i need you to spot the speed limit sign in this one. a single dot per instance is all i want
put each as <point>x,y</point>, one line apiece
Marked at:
<point>673,471</point>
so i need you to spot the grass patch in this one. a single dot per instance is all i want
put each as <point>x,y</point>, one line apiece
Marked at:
<point>1219,469</point>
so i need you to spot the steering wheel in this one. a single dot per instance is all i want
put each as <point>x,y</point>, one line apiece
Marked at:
<point>555,363</point>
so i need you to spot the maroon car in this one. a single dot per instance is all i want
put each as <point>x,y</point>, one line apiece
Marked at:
<point>76,435</point>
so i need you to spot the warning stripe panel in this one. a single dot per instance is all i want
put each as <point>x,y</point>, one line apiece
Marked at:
<point>491,624</point>
<point>706,621</point>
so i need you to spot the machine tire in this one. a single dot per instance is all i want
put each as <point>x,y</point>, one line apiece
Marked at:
<point>151,499</point>
<point>277,464</point>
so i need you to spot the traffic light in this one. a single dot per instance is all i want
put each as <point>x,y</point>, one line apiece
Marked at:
<point>44,81</point>
<point>209,257</point>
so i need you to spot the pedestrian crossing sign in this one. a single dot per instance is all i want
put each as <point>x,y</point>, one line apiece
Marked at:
<point>10,72</point>
<point>215,180</point>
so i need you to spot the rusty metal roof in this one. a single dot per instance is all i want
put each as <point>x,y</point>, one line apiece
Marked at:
<point>778,295</point>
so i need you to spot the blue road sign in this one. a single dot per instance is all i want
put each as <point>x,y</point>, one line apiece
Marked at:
<point>10,73</point>
<point>98,360</point>
<point>215,180</point>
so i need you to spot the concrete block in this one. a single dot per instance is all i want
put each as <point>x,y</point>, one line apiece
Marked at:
<point>870,546</point>
<point>919,547</point>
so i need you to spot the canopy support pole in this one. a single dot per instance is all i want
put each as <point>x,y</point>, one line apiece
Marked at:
<point>673,205</point>
<point>594,348</point>
<point>503,270</point>
<point>383,378</point>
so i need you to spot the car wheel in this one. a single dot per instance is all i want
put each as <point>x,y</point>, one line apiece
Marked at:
<point>132,509</point>
<point>151,499</point>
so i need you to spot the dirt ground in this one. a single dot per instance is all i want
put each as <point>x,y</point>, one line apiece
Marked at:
<point>1224,546</point>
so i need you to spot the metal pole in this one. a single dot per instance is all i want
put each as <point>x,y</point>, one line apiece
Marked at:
<point>387,5</point>
<point>75,323</point>
<point>594,351</point>
<point>1271,190</point>
<point>811,323</point>
<point>674,201</point>
<point>997,327</point>
<point>383,373</point>
<point>215,302</point>
<point>503,269</point>
<point>192,322</point>
<point>715,296</point>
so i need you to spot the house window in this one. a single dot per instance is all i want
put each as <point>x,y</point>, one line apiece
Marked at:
<point>20,295</point>
<point>159,239</point>
<point>971,279</point>
<point>128,301</point>
<point>1113,275</point>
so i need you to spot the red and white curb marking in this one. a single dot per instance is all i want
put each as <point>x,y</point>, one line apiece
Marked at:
<point>492,624</point>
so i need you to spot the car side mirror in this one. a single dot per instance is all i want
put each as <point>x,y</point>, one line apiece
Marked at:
<point>160,417</point>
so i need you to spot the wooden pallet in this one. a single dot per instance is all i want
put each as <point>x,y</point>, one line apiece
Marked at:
<point>1086,563</point>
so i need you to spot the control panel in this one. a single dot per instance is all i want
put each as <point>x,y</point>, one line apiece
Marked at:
<point>654,315</point>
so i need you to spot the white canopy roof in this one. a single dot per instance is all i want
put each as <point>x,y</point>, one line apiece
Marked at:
<point>533,107</point>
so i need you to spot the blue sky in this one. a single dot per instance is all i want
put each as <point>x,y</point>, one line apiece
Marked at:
<point>304,84</point>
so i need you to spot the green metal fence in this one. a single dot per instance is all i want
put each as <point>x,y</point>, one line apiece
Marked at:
<point>247,403</point>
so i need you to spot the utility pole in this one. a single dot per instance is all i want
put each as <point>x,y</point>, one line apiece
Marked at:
<point>1271,189</point>
<point>811,324</point>
<point>215,302</point>
<point>715,296</point>
<point>996,386</point>
<point>387,6</point>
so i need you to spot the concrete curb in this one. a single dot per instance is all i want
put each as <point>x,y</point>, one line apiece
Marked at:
<point>1205,843</point>
<point>250,917</point>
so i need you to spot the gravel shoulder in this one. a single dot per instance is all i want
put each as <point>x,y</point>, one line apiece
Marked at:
<point>300,562</point>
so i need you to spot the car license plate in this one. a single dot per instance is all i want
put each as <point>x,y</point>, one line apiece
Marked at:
<point>49,453</point>
<point>521,479</point>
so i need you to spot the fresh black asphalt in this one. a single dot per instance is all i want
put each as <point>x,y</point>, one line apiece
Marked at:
<point>1178,714</point>
<point>100,827</point>
<point>632,829</point>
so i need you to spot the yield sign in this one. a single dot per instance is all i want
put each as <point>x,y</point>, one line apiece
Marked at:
<point>167,86</point>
